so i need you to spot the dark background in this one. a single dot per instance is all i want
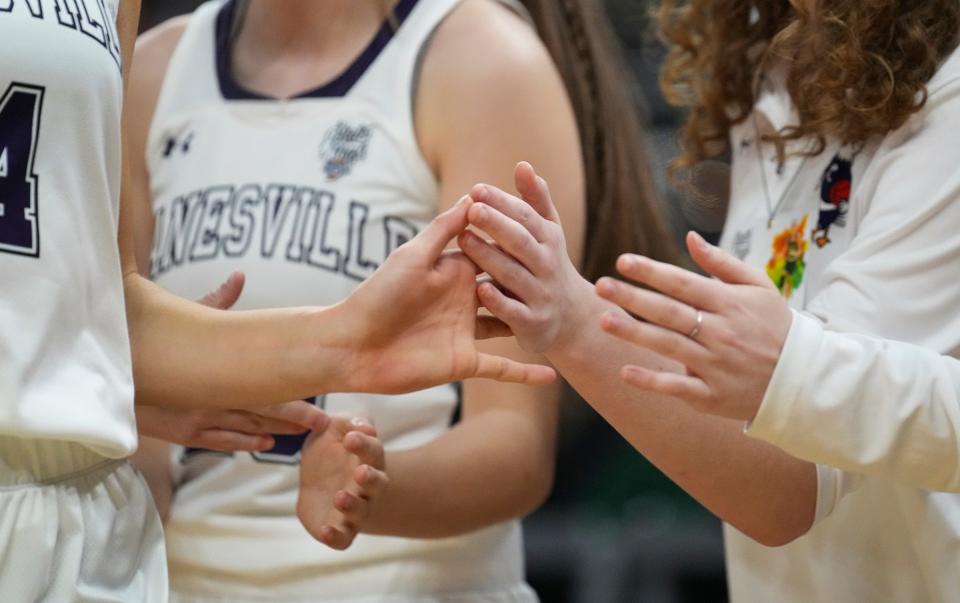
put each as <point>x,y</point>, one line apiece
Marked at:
<point>615,529</point>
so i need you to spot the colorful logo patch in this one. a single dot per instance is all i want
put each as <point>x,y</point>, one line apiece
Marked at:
<point>343,147</point>
<point>834,199</point>
<point>787,265</point>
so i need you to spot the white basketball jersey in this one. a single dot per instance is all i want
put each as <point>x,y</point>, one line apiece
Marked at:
<point>65,369</point>
<point>307,196</point>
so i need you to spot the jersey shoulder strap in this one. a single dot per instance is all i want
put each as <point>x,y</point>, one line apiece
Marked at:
<point>191,77</point>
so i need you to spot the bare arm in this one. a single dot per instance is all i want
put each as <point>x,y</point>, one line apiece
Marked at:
<point>471,118</point>
<point>760,490</point>
<point>187,355</point>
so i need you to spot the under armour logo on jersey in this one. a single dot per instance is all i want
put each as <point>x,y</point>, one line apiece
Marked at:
<point>173,144</point>
<point>343,147</point>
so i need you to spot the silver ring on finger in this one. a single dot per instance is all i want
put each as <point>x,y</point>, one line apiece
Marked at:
<point>696,328</point>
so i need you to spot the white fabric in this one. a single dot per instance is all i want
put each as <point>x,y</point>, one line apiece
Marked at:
<point>345,183</point>
<point>864,404</point>
<point>888,268</point>
<point>518,594</point>
<point>65,369</point>
<point>76,527</point>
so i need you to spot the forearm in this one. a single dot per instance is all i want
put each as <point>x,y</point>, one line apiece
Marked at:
<point>865,405</point>
<point>190,356</point>
<point>480,473</point>
<point>152,459</point>
<point>755,487</point>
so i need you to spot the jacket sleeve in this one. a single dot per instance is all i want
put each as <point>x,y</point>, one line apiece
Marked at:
<point>864,405</point>
<point>858,405</point>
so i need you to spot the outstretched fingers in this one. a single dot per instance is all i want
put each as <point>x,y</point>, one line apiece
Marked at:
<point>370,481</point>
<point>507,270</point>
<point>683,285</point>
<point>339,540</point>
<point>654,307</point>
<point>367,448</point>
<point>688,388</point>
<point>503,369</point>
<point>722,265</point>
<point>227,294</point>
<point>504,308</point>
<point>513,208</point>
<point>224,440</point>
<point>664,342</point>
<point>509,234</point>
<point>535,191</point>
<point>300,413</point>
<point>433,240</point>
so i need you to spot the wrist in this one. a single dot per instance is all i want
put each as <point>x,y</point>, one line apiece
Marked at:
<point>579,314</point>
<point>335,340</point>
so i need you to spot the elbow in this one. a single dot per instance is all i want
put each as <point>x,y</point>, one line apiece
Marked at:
<point>777,538</point>
<point>779,531</point>
<point>538,485</point>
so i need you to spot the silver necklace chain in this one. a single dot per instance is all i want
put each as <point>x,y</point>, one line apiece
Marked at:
<point>772,209</point>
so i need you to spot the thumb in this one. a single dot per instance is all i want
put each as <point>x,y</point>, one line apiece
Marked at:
<point>227,294</point>
<point>299,412</point>
<point>722,265</point>
<point>433,240</point>
<point>535,191</point>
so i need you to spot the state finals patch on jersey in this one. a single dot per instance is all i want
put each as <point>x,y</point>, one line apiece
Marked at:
<point>343,147</point>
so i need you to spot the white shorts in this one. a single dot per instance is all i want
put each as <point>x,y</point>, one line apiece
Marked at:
<point>76,526</point>
<point>520,593</point>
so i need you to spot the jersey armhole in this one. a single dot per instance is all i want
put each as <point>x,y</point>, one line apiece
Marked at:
<point>513,6</point>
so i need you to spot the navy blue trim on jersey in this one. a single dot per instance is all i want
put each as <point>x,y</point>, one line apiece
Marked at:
<point>457,415</point>
<point>339,86</point>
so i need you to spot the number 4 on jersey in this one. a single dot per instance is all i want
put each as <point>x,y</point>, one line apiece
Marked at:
<point>20,109</point>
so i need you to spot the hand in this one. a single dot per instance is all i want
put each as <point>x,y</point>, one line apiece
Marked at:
<point>730,356</point>
<point>229,430</point>
<point>341,475</point>
<point>537,290</point>
<point>227,294</point>
<point>414,324</point>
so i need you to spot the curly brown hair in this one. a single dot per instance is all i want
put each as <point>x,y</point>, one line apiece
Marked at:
<point>857,68</point>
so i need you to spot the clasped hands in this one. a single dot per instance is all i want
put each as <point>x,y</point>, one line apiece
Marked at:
<point>415,323</point>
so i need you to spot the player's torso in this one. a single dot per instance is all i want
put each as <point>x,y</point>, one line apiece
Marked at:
<point>65,370</point>
<point>309,194</point>
<point>307,197</point>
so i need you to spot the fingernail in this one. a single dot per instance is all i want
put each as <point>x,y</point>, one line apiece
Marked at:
<point>359,421</point>
<point>699,241</point>
<point>610,321</point>
<point>607,286</point>
<point>478,190</point>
